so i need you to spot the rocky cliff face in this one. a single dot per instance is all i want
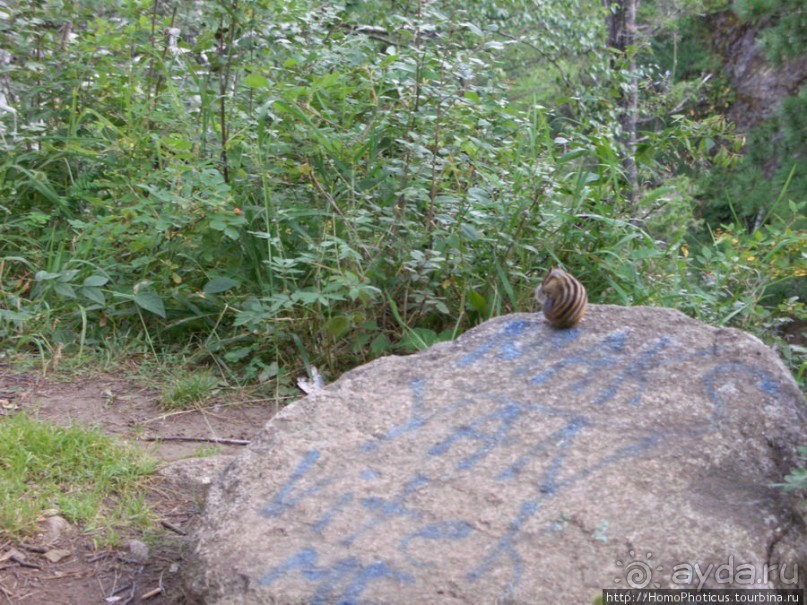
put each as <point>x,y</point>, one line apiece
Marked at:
<point>759,85</point>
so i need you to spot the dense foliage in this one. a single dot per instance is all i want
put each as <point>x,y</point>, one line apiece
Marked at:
<point>279,183</point>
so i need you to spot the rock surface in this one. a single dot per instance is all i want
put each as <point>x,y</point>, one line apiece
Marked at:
<point>194,473</point>
<point>759,85</point>
<point>519,464</point>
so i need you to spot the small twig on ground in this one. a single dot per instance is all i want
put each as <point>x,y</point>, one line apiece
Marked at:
<point>173,528</point>
<point>151,594</point>
<point>169,415</point>
<point>131,594</point>
<point>123,588</point>
<point>207,410</point>
<point>98,556</point>
<point>199,439</point>
<point>23,563</point>
<point>154,592</point>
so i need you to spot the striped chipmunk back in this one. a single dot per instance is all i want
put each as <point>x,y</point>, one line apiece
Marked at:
<point>563,299</point>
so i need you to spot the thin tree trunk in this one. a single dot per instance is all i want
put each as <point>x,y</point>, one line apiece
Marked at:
<point>631,106</point>
<point>621,37</point>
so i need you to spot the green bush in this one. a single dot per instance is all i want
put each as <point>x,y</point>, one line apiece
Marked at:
<point>280,185</point>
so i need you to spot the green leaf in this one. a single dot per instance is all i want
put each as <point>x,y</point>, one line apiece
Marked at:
<point>337,326</point>
<point>219,284</point>
<point>176,143</point>
<point>572,155</point>
<point>45,276</point>
<point>479,194</point>
<point>380,344</point>
<point>14,316</point>
<point>269,372</point>
<point>95,281</point>
<point>419,339</point>
<point>307,297</point>
<point>150,301</point>
<point>657,193</point>
<point>64,289</point>
<point>477,302</point>
<point>469,232</point>
<point>94,294</point>
<point>328,80</point>
<point>238,354</point>
<point>67,276</point>
<point>256,81</point>
<point>505,282</point>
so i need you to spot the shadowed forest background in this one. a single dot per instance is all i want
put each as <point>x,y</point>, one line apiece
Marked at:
<point>267,186</point>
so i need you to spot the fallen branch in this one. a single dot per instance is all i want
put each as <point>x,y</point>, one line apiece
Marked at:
<point>23,563</point>
<point>173,528</point>
<point>199,439</point>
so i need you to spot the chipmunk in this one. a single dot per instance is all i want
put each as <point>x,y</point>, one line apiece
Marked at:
<point>563,299</point>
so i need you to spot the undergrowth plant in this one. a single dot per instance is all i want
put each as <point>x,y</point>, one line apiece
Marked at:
<point>281,185</point>
<point>187,390</point>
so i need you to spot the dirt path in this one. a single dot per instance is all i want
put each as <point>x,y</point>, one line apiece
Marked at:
<point>120,407</point>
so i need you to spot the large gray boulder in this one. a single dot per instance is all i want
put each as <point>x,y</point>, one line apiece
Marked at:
<point>520,464</point>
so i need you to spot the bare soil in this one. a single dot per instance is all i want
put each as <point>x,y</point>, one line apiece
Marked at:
<point>123,408</point>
